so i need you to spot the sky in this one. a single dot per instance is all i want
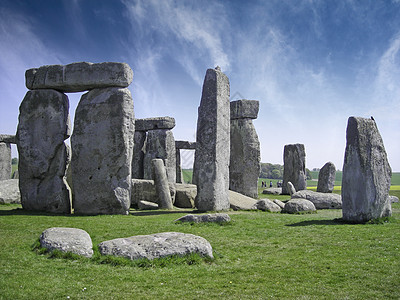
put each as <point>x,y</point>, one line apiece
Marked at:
<point>312,64</point>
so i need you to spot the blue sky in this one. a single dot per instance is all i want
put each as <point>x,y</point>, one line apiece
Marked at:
<point>311,64</point>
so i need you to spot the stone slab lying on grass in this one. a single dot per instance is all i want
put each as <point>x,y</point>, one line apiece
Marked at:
<point>146,205</point>
<point>214,218</point>
<point>279,203</point>
<point>298,205</point>
<point>73,240</point>
<point>9,191</point>
<point>272,191</point>
<point>241,202</point>
<point>320,200</point>
<point>267,205</point>
<point>156,246</point>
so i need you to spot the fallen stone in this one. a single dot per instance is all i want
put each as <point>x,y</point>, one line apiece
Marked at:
<point>5,161</point>
<point>366,173</point>
<point>79,77</point>
<point>43,156</point>
<point>185,195</point>
<point>244,109</point>
<point>146,205</point>
<point>272,191</point>
<point>209,218</point>
<point>211,163</point>
<point>298,205</point>
<point>279,203</point>
<point>9,191</point>
<point>241,202</point>
<point>320,200</point>
<point>326,178</point>
<point>72,240</point>
<point>267,205</point>
<point>294,167</point>
<point>161,183</point>
<point>393,199</point>
<point>154,123</point>
<point>8,138</point>
<point>291,188</point>
<point>156,246</point>
<point>102,145</point>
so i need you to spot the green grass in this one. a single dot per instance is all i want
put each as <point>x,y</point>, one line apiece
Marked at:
<point>187,175</point>
<point>259,255</point>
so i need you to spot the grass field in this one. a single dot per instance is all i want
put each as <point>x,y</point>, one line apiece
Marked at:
<point>260,255</point>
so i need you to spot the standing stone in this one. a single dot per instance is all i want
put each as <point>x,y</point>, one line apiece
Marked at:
<point>366,173</point>
<point>160,143</point>
<point>212,154</point>
<point>102,144</point>
<point>294,167</point>
<point>43,155</point>
<point>161,183</point>
<point>139,149</point>
<point>244,167</point>
<point>179,176</point>
<point>5,161</point>
<point>326,178</point>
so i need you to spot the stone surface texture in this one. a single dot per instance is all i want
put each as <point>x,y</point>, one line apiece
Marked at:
<point>244,168</point>
<point>156,246</point>
<point>5,161</point>
<point>208,218</point>
<point>366,173</point>
<point>160,143</point>
<point>43,156</point>
<point>241,202</point>
<point>79,77</point>
<point>72,240</point>
<point>161,183</point>
<point>154,123</point>
<point>393,199</point>
<point>294,167</point>
<point>326,178</point>
<point>211,165</point>
<point>102,145</point>
<point>291,188</point>
<point>320,200</point>
<point>9,191</point>
<point>244,109</point>
<point>298,205</point>
<point>185,195</point>
<point>139,149</point>
<point>145,190</point>
<point>272,191</point>
<point>279,203</point>
<point>267,205</point>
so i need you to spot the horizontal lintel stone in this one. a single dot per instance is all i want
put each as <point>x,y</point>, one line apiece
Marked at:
<point>8,138</point>
<point>185,145</point>
<point>154,123</point>
<point>243,109</point>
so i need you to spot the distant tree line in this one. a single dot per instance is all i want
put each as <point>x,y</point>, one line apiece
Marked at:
<point>275,171</point>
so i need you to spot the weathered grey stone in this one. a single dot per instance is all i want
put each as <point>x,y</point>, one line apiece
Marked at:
<point>139,149</point>
<point>320,200</point>
<point>267,205</point>
<point>160,143</point>
<point>161,183</point>
<point>185,195</point>
<point>185,145</point>
<point>326,178</point>
<point>211,165</point>
<point>79,77</point>
<point>298,205</point>
<point>294,168</point>
<point>241,202</point>
<point>244,109</point>
<point>208,218</point>
<point>145,190</point>
<point>393,199</point>
<point>156,246</point>
<point>146,205</point>
<point>366,173</point>
<point>43,155</point>
<point>154,123</point>
<point>9,191</point>
<point>279,203</point>
<point>244,167</point>
<point>272,191</point>
<point>102,145</point>
<point>8,138</point>
<point>5,161</point>
<point>291,188</point>
<point>72,240</point>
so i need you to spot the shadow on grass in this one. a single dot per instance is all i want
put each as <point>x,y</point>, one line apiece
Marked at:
<point>318,222</point>
<point>162,212</point>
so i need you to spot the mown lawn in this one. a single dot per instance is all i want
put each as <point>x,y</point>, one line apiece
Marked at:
<point>260,255</point>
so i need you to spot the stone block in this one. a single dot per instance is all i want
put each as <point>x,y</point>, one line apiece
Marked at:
<point>154,123</point>
<point>244,109</point>
<point>326,178</point>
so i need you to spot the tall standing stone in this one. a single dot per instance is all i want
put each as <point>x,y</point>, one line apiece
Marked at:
<point>244,167</point>
<point>326,178</point>
<point>366,173</point>
<point>213,143</point>
<point>43,155</point>
<point>139,149</point>
<point>294,167</point>
<point>161,183</point>
<point>5,161</point>
<point>102,144</point>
